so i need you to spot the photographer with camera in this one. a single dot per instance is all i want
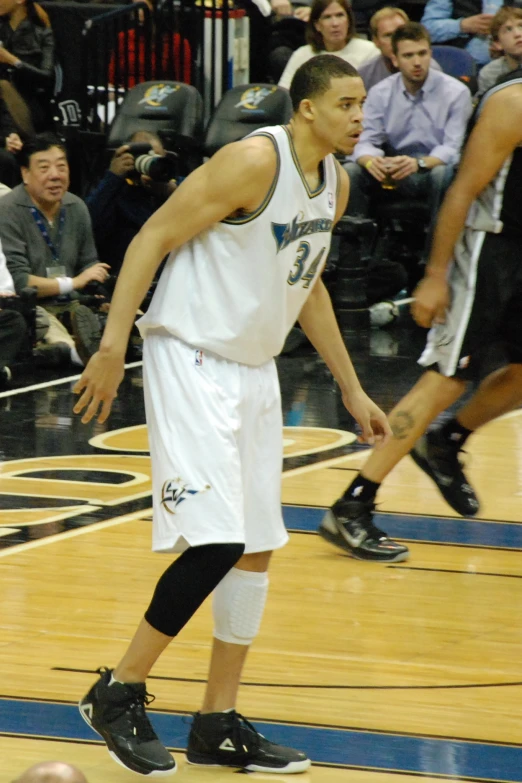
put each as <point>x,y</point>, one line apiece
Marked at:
<point>140,178</point>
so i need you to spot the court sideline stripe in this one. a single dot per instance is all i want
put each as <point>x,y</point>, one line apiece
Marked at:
<point>277,722</point>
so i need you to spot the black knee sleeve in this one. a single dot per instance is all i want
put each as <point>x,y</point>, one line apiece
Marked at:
<point>187,582</point>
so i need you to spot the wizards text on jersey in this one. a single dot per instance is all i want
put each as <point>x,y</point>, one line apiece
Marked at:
<point>285,233</point>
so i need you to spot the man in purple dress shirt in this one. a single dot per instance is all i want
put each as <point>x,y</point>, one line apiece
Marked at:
<point>383,24</point>
<point>414,124</point>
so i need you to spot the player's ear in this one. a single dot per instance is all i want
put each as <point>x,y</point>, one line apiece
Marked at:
<point>306,108</point>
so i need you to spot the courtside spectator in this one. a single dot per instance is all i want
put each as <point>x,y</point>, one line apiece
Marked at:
<point>414,123</point>
<point>330,29</point>
<point>27,64</point>
<point>450,22</point>
<point>382,26</point>
<point>48,243</point>
<point>506,34</point>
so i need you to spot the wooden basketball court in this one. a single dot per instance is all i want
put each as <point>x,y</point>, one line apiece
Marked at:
<point>379,672</point>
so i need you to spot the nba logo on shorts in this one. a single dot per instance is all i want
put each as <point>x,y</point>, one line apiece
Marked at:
<point>330,200</point>
<point>198,358</point>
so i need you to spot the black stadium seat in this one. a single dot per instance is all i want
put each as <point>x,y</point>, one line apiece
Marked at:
<point>244,109</point>
<point>167,108</point>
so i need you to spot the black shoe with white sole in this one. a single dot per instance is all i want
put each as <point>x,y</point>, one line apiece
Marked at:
<point>440,461</point>
<point>117,712</point>
<point>349,525</point>
<point>226,739</point>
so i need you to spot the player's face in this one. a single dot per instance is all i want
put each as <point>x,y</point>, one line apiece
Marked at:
<point>339,115</point>
<point>385,30</point>
<point>413,61</point>
<point>333,26</point>
<point>510,38</point>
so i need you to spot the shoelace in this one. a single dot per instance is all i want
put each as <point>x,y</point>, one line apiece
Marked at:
<point>241,724</point>
<point>132,706</point>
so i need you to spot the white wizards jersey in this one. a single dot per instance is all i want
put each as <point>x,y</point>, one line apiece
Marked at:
<point>237,288</point>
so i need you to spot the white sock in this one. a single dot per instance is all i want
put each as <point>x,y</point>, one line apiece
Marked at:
<point>113,680</point>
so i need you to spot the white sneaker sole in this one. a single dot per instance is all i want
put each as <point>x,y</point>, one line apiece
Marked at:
<point>114,757</point>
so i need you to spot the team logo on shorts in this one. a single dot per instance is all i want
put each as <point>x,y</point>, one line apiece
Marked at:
<point>175,491</point>
<point>330,200</point>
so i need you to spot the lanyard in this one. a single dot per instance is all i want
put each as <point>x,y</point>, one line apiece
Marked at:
<point>54,248</point>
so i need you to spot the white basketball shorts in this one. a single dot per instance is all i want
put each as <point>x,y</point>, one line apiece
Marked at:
<point>216,444</point>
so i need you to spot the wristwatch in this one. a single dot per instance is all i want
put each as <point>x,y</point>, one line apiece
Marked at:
<point>421,163</point>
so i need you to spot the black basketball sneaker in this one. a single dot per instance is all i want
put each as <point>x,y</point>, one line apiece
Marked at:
<point>226,739</point>
<point>117,713</point>
<point>349,525</point>
<point>440,461</point>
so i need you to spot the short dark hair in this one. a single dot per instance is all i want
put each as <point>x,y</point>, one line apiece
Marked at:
<point>411,31</point>
<point>313,36</point>
<point>39,143</point>
<point>313,77</point>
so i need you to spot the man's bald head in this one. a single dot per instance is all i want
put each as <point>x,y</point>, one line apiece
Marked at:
<point>52,772</point>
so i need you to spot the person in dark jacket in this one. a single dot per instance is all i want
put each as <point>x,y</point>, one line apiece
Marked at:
<point>123,201</point>
<point>26,63</point>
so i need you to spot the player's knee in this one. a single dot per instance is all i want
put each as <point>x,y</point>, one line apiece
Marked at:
<point>239,603</point>
<point>186,584</point>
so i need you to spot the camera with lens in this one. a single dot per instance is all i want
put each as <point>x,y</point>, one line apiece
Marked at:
<point>160,168</point>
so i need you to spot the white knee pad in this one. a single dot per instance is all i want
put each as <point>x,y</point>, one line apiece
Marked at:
<point>238,605</point>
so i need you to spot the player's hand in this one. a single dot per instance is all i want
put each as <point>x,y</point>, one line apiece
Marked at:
<point>431,300</point>
<point>98,386</point>
<point>375,426</point>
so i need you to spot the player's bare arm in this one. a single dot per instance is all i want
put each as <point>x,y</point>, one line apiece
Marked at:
<point>497,133</point>
<point>319,323</point>
<point>238,177</point>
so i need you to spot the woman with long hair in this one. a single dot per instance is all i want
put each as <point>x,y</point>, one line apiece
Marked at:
<point>26,63</point>
<point>331,28</point>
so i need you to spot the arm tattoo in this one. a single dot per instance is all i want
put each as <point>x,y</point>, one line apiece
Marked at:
<point>401,424</point>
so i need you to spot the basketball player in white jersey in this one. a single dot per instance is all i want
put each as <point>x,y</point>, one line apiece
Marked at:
<point>471,295</point>
<point>248,234</point>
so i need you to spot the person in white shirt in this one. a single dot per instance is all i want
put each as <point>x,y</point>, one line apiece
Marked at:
<point>506,35</point>
<point>331,28</point>
<point>12,324</point>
